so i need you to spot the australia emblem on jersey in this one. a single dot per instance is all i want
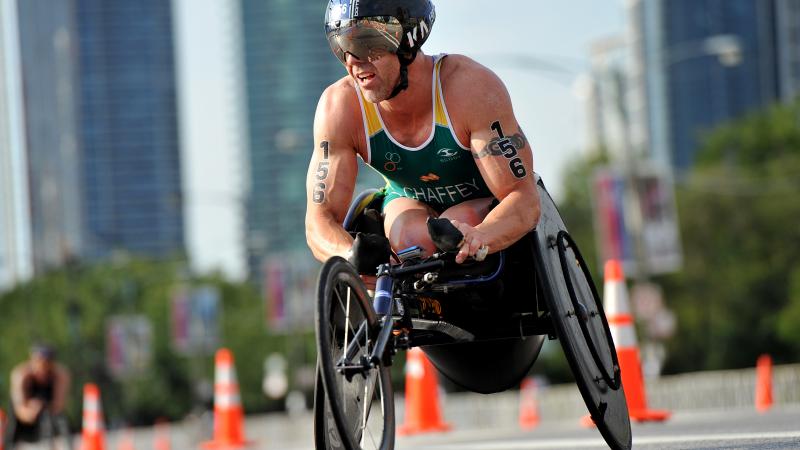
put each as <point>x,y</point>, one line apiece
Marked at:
<point>392,162</point>
<point>447,154</point>
<point>429,177</point>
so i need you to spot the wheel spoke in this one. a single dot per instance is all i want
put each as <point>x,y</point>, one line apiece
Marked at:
<point>346,310</point>
<point>369,390</point>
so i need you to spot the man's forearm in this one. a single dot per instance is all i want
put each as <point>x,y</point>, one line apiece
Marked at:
<point>327,238</point>
<point>510,220</point>
<point>27,411</point>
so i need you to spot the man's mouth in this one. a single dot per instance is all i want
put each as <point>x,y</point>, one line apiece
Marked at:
<point>365,76</point>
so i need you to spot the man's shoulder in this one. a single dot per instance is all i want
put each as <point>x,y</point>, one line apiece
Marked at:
<point>339,92</point>
<point>21,371</point>
<point>470,88</point>
<point>339,101</point>
<point>461,71</point>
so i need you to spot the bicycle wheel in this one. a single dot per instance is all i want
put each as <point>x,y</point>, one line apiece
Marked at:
<point>358,395</point>
<point>581,325</point>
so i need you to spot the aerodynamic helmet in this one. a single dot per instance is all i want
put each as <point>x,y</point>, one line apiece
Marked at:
<point>369,29</point>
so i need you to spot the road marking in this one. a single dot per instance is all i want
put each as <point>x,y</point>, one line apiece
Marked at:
<point>595,442</point>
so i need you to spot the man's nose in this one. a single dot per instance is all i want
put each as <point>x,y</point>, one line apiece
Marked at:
<point>351,59</point>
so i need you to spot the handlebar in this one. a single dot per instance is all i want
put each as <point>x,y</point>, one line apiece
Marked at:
<point>417,268</point>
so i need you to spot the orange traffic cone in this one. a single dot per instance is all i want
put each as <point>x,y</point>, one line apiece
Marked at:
<point>763,383</point>
<point>423,414</point>
<point>228,412</point>
<point>161,439</point>
<point>126,441</point>
<point>528,406</point>
<point>2,429</point>
<point>93,435</point>
<point>620,321</point>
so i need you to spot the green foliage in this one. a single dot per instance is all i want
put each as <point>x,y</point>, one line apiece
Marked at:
<point>70,309</point>
<point>738,294</point>
<point>789,316</point>
<point>576,208</point>
<point>738,212</point>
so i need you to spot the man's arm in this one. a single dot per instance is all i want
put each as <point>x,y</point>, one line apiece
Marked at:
<point>331,174</point>
<point>26,410</point>
<point>60,389</point>
<point>503,156</point>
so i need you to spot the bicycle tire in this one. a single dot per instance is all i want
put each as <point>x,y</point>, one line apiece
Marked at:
<point>343,306</point>
<point>568,290</point>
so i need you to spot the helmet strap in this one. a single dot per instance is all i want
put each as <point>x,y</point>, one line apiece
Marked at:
<point>406,58</point>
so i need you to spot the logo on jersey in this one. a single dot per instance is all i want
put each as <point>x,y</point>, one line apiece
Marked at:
<point>429,177</point>
<point>447,154</point>
<point>392,162</point>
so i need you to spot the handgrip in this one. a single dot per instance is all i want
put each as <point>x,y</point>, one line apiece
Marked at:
<point>444,234</point>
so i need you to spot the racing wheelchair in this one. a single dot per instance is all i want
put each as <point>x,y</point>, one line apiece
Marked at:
<point>482,324</point>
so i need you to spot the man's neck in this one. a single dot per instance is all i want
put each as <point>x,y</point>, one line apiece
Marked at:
<point>416,98</point>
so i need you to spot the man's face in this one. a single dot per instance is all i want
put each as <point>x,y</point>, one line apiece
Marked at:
<point>377,76</point>
<point>41,367</point>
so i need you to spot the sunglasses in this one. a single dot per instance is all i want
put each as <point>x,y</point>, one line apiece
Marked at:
<point>367,39</point>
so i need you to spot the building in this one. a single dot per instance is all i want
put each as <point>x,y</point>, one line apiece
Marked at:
<point>128,128</point>
<point>705,62</point>
<point>288,64</point>
<point>15,242</point>
<point>787,37</point>
<point>51,143</point>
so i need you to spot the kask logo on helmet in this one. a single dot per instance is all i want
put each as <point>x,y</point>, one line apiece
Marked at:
<point>419,32</point>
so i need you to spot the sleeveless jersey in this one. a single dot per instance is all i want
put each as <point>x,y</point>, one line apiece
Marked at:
<point>441,172</point>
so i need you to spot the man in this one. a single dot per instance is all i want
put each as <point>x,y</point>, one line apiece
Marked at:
<point>440,129</point>
<point>38,394</point>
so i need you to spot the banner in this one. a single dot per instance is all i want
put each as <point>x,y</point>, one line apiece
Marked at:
<point>195,320</point>
<point>288,288</point>
<point>129,345</point>
<point>646,210</point>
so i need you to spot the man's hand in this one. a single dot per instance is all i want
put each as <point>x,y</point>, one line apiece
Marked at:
<point>30,410</point>
<point>474,243</point>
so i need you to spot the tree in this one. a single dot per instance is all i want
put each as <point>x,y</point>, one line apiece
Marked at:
<point>738,294</point>
<point>738,211</point>
<point>71,308</point>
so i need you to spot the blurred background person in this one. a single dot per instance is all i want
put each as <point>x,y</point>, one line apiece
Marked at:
<point>39,389</point>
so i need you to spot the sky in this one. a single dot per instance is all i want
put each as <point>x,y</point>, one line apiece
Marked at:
<point>505,35</point>
<point>500,34</point>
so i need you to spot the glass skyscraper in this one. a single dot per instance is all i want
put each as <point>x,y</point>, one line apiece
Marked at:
<point>287,65</point>
<point>48,72</point>
<point>15,242</point>
<point>691,87</point>
<point>128,128</point>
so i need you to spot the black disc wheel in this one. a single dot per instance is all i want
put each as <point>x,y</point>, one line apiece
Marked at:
<point>581,325</point>
<point>586,305</point>
<point>357,406</point>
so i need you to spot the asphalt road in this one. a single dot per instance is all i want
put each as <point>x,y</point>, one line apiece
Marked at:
<point>778,428</point>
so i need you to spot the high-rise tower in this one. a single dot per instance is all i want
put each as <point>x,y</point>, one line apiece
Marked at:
<point>47,49</point>
<point>129,128</point>
<point>15,243</point>
<point>706,62</point>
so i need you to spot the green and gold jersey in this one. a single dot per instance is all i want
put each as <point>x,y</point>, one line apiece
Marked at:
<point>441,172</point>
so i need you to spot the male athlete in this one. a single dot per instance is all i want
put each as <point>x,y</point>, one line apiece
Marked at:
<point>440,129</point>
<point>39,389</point>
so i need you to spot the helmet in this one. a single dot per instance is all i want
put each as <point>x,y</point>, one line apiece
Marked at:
<point>368,29</point>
